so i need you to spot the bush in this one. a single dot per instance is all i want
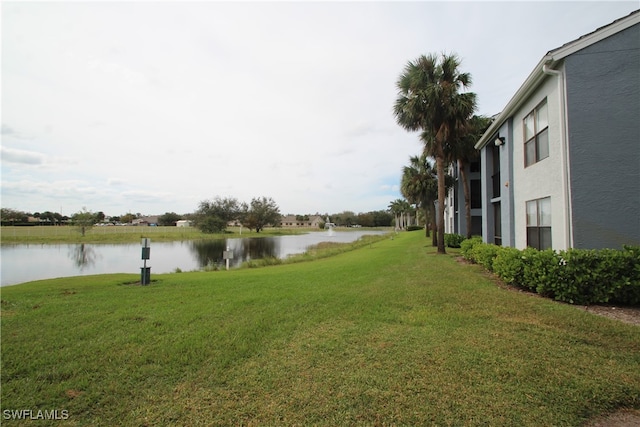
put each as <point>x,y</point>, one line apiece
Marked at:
<point>509,266</point>
<point>415,228</point>
<point>590,276</point>
<point>628,287</point>
<point>575,276</point>
<point>211,224</point>
<point>484,254</point>
<point>262,262</point>
<point>541,271</point>
<point>466,247</point>
<point>453,240</point>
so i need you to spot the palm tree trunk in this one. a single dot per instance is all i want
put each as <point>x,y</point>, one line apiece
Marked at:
<point>441,196</point>
<point>467,198</point>
<point>434,228</point>
<point>426,221</point>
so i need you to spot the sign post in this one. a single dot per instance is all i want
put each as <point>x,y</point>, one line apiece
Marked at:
<point>227,255</point>
<point>145,272</point>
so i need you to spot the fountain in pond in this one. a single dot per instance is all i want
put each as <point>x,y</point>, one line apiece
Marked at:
<point>329,227</point>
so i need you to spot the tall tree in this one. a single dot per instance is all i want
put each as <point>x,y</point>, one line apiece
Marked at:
<point>419,185</point>
<point>430,100</point>
<point>405,213</point>
<point>464,152</point>
<point>169,219</point>
<point>213,216</point>
<point>84,219</point>
<point>261,212</point>
<point>394,208</point>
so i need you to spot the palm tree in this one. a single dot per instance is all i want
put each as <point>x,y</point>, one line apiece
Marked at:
<point>464,152</point>
<point>405,213</point>
<point>429,99</point>
<point>419,185</point>
<point>400,208</point>
<point>395,207</point>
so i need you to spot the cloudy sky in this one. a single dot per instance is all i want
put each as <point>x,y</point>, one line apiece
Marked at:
<point>153,107</point>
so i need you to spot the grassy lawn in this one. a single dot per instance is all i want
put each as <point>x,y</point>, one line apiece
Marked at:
<point>388,334</point>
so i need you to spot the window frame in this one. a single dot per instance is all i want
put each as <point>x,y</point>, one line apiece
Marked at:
<point>539,233</point>
<point>539,137</point>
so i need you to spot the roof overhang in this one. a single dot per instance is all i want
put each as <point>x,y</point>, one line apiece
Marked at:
<point>551,60</point>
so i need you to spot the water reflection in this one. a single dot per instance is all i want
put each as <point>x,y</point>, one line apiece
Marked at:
<point>208,253</point>
<point>83,256</point>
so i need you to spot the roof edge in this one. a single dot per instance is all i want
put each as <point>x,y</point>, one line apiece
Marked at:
<point>532,82</point>
<point>601,33</point>
<point>552,58</point>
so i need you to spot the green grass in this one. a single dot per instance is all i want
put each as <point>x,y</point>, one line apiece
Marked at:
<point>126,234</point>
<point>387,334</point>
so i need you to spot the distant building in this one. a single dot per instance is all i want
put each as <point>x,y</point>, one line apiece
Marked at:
<point>146,221</point>
<point>183,223</point>
<point>309,221</point>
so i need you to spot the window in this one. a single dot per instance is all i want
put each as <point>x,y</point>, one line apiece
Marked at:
<point>497,224</point>
<point>539,223</point>
<point>495,178</point>
<point>474,166</point>
<point>536,135</point>
<point>476,193</point>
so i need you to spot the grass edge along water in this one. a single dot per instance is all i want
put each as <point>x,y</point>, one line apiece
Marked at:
<point>389,333</point>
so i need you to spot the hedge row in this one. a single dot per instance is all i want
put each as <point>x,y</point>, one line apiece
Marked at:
<point>576,276</point>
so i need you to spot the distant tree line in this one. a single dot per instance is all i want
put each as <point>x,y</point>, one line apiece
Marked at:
<point>368,219</point>
<point>16,217</point>
<point>212,216</point>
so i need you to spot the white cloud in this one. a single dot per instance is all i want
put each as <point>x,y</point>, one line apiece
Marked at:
<point>12,155</point>
<point>115,181</point>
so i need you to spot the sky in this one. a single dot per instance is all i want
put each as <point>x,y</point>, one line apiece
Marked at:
<point>153,107</point>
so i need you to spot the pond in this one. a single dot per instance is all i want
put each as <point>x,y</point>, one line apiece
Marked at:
<point>24,263</point>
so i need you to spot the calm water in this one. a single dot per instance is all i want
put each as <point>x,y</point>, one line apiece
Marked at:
<point>24,263</point>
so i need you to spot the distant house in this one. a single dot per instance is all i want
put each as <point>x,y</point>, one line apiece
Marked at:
<point>560,165</point>
<point>146,221</point>
<point>183,223</point>
<point>310,221</point>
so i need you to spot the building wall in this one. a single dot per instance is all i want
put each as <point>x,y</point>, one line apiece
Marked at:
<point>544,178</point>
<point>450,211</point>
<point>455,213</point>
<point>603,104</point>
<point>505,199</point>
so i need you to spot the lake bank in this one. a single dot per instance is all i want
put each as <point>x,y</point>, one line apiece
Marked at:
<point>27,262</point>
<point>129,234</point>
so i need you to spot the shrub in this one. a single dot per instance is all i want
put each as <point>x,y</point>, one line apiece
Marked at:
<point>262,262</point>
<point>466,247</point>
<point>484,254</point>
<point>509,266</point>
<point>453,240</point>
<point>416,228</point>
<point>628,290</point>
<point>540,270</point>
<point>576,276</point>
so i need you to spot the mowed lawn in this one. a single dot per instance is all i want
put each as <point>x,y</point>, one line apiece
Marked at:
<point>388,334</point>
